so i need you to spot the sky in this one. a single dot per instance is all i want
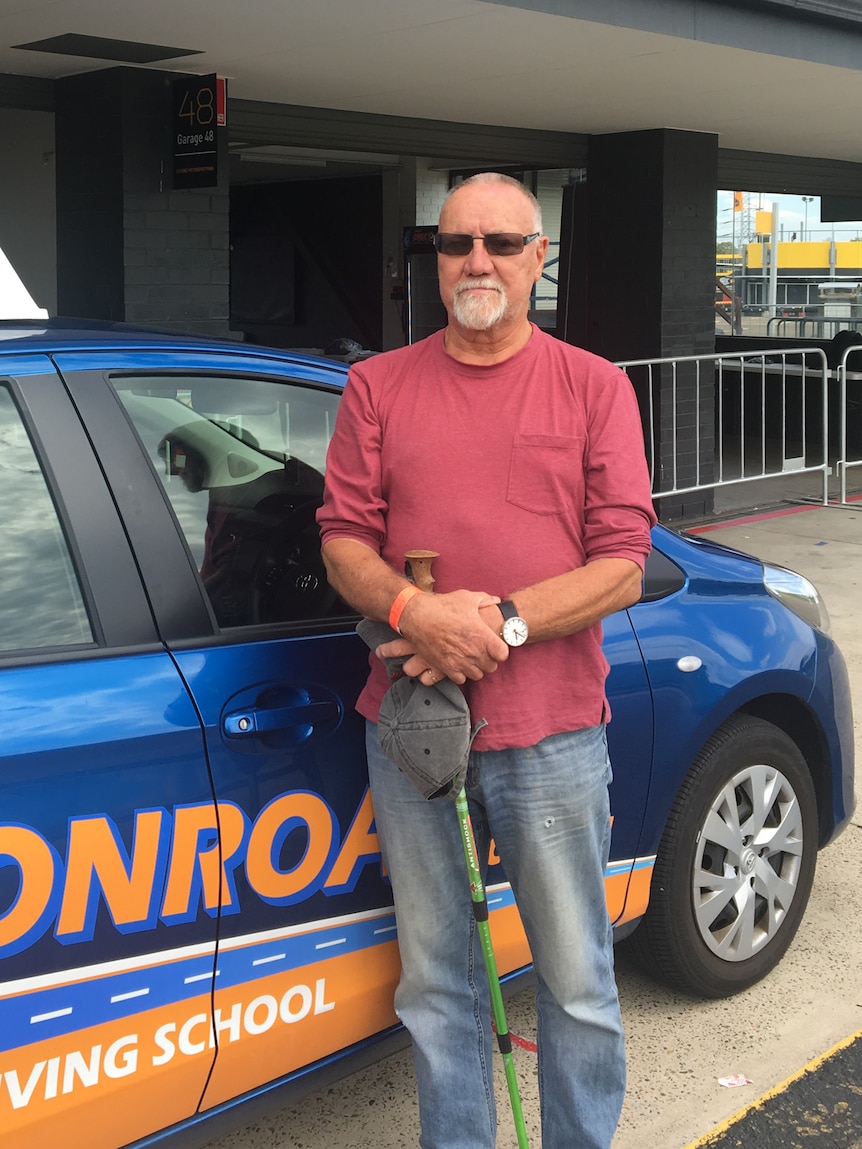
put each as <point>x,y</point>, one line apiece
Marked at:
<point>793,218</point>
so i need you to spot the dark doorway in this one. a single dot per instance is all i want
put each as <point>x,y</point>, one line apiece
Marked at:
<point>305,263</point>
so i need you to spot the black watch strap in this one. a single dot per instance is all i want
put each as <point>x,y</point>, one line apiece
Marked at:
<point>507,609</point>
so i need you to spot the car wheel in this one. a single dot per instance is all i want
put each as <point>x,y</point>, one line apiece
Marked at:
<point>735,863</point>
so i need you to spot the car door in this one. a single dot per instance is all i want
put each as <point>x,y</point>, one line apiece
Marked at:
<point>216,461</point>
<point>101,747</point>
<point>630,746</point>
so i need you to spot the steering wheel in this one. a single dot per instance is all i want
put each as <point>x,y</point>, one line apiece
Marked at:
<point>289,583</point>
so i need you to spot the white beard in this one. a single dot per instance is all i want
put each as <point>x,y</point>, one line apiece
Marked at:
<point>480,310</point>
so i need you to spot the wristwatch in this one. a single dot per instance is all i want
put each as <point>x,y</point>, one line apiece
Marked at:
<point>515,630</point>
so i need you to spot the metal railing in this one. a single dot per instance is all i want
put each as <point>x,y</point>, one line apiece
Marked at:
<point>849,419</point>
<point>717,420</point>
<point>809,326</point>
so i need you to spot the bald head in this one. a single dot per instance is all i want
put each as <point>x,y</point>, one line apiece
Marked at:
<point>498,178</point>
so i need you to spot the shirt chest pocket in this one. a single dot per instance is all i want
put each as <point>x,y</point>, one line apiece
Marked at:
<point>546,474</point>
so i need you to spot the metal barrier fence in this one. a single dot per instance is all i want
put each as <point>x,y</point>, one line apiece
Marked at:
<point>717,420</point>
<point>809,326</point>
<point>850,424</point>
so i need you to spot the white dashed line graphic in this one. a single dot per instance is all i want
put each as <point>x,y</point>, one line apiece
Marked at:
<point>50,1016</point>
<point>128,996</point>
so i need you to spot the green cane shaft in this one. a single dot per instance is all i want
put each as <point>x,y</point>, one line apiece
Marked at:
<point>480,912</point>
<point>418,569</point>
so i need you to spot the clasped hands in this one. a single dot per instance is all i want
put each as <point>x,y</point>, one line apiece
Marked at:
<point>454,635</point>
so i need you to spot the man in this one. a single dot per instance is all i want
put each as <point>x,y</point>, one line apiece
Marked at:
<point>519,459</point>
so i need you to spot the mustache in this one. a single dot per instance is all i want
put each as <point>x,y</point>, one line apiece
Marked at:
<point>485,284</point>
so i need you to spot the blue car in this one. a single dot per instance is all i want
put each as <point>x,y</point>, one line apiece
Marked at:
<point>193,910</point>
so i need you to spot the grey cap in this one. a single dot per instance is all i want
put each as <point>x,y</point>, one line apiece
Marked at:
<point>425,730</point>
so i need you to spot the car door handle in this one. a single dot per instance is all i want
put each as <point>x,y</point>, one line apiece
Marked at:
<point>254,722</point>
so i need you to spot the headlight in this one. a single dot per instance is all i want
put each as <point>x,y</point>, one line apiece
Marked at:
<point>798,595</point>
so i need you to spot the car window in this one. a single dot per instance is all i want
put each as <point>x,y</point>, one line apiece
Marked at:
<point>41,603</point>
<point>242,462</point>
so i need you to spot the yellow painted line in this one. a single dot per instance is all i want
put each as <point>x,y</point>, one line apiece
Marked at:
<point>708,1138</point>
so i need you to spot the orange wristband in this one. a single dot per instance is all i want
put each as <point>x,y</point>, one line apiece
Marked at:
<point>401,600</point>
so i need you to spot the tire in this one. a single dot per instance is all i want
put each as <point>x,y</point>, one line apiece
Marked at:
<point>735,864</point>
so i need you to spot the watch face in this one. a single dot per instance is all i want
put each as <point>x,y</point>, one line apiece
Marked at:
<point>515,631</point>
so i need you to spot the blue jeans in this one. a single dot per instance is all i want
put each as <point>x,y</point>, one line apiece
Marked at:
<point>547,809</point>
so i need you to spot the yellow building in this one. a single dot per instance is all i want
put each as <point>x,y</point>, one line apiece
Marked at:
<point>811,258</point>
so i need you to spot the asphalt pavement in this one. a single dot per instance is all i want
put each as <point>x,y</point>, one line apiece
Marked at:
<point>819,1106</point>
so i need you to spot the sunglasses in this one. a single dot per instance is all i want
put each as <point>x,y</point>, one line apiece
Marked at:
<point>496,242</point>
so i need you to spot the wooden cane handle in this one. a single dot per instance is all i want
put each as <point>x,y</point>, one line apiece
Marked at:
<point>417,567</point>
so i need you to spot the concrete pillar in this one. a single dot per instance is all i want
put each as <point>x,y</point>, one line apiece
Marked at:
<point>129,247</point>
<point>643,284</point>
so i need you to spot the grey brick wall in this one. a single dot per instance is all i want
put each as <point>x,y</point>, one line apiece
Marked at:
<point>176,252</point>
<point>129,247</point>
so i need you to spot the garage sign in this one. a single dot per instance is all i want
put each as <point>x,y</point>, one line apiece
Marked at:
<point>198,112</point>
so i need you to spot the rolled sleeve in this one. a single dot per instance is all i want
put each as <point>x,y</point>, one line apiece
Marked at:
<point>618,513</point>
